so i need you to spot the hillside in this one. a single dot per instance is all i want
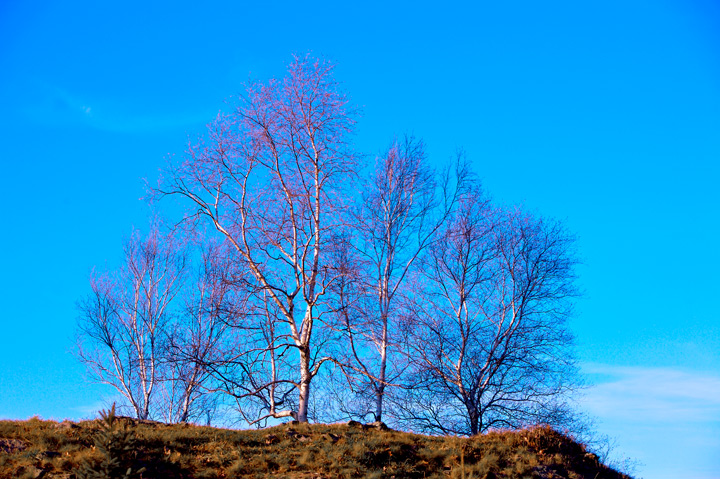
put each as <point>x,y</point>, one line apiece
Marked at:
<point>47,449</point>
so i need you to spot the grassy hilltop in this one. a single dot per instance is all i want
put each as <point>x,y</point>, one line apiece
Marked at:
<point>47,449</point>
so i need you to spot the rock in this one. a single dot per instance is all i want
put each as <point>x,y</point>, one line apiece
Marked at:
<point>134,421</point>
<point>36,472</point>
<point>11,446</point>
<point>31,472</point>
<point>375,425</point>
<point>380,425</point>
<point>545,472</point>
<point>333,437</point>
<point>297,436</point>
<point>354,424</point>
<point>66,425</point>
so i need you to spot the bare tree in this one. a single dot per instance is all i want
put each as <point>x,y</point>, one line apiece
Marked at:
<point>490,346</point>
<point>270,182</point>
<point>123,321</point>
<point>402,207</point>
<point>198,338</point>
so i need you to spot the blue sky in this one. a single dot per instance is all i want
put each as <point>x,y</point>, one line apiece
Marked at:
<point>604,114</point>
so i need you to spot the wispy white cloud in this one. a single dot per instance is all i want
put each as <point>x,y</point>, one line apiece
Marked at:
<point>53,105</point>
<point>653,394</point>
<point>668,419</point>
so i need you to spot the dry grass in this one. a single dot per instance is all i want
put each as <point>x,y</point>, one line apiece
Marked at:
<point>33,448</point>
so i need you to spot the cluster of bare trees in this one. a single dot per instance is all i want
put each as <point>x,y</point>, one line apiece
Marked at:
<point>394,292</point>
<point>149,328</point>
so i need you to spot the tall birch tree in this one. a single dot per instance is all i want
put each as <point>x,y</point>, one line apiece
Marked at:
<point>404,203</point>
<point>269,180</point>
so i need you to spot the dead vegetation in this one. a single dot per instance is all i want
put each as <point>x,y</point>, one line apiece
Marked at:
<point>46,449</point>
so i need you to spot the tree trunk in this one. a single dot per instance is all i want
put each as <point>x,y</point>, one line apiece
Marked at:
<point>304,392</point>
<point>475,418</point>
<point>380,389</point>
<point>145,413</point>
<point>185,413</point>
<point>379,394</point>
